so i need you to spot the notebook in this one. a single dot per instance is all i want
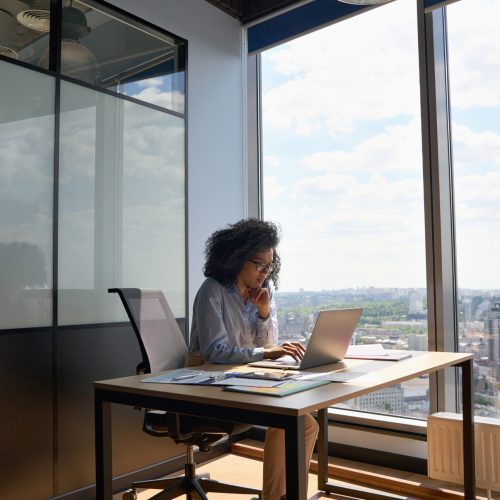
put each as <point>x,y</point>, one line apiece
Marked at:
<point>330,338</point>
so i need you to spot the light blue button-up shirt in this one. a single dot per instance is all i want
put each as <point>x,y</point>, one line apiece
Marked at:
<point>226,330</point>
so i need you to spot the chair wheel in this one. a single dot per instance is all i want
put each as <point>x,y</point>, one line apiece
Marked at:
<point>129,495</point>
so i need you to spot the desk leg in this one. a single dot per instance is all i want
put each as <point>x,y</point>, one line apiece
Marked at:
<point>103,455</point>
<point>295,453</point>
<point>322,447</point>
<point>468,430</point>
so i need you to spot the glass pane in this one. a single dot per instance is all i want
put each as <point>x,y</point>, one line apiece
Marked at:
<point>26,197</point>
<point>475,104</point>
<point>343,177</point>
<point>121,204</point>
<point>24,30</point>
<point>104,48</point>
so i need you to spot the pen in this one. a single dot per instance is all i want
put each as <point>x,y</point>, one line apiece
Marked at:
<point>190,375</point>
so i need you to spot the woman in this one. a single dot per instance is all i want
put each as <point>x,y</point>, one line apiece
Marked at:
<point>235,320</point>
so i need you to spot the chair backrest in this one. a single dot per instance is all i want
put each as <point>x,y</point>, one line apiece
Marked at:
<point>160,339</point>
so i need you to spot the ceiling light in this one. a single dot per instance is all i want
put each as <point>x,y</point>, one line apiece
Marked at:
<point>35,19</point>
<point>8,52</point>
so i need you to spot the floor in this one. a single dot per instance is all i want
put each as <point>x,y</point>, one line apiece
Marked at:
<point>248,471</point>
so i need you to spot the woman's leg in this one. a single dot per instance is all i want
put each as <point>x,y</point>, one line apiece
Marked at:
<point>274,480</point>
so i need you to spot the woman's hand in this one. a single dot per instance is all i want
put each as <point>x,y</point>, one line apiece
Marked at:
<point>294,349</point>
<point>260,297</point>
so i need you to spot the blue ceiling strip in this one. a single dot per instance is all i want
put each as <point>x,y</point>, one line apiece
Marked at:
<point>430,3</point>
<point>297,21</point>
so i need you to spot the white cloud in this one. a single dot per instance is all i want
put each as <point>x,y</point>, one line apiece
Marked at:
<point>272,189</point>
<point>474,46</point>
<point>333,82</point>
<point>150,82</point>
<point>171,100</point>
<point>397,148</point>
<point>271,161</point>
<point>475,147</point>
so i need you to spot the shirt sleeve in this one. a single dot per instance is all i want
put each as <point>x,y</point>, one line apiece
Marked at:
<point>215,345</point>
<point>267,329</point>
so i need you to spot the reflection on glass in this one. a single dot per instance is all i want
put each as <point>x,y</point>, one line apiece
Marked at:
<point>104,48</point>
<point>475,103</point>
<point>343,177</point>
<point>121,204</point>
<point>26,186</point>
<point>24,29</point>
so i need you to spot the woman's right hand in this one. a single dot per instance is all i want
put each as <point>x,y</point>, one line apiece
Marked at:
<point>294,349</point>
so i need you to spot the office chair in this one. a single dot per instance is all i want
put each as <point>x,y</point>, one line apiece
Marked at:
<point>163,348</point>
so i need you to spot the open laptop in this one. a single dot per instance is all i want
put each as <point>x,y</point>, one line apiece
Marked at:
<point>328,343</point>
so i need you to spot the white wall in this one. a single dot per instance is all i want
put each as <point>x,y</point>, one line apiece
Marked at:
<point>215,118</point>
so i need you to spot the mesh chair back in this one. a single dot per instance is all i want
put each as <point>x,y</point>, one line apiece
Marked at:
<point>161,341</point>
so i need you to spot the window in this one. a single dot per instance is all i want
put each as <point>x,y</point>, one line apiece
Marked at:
<point>342,167</point>
<point>475,105</point>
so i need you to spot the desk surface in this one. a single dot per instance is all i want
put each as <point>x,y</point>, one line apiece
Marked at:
<point>383,374</point>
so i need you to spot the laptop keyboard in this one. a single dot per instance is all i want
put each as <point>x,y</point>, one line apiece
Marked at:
<point>287,360</point>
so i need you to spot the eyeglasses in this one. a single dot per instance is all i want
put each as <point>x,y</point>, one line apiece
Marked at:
<point>260,266</point>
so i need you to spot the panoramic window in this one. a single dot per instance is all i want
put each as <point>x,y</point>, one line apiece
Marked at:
<point>342,165</point>
<point>475,104</point>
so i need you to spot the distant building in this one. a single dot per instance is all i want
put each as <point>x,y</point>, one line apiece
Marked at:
<point>387,400</point>
<point>417,342</point>
<point>492,328</point>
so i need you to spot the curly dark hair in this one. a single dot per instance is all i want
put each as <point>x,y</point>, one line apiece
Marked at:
<point>227,250</point>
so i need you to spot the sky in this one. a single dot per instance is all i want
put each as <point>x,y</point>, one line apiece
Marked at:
<point>342,149</point>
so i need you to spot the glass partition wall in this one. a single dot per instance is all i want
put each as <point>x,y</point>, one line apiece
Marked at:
<point>92,182</point>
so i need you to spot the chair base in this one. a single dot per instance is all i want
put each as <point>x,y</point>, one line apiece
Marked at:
<point>193,486</point>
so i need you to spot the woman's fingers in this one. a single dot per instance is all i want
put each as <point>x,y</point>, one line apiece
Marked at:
<point>294,349</point>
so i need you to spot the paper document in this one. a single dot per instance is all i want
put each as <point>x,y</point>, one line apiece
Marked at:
<point>188,376</point>
<point>334,376</point>
<point>375,351</point>
<point>280,390</point>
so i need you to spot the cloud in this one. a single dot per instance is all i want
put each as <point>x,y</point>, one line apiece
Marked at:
<point>470,147</point>
<point>331,84</point>
<point>150,82</point>
<point>397,149</point>
<point>271,161</point>
<point>474,46</point>
<point>272,189</point>
<point>173,100</point>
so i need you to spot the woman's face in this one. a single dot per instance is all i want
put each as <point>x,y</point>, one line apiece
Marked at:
<point>256,269</point>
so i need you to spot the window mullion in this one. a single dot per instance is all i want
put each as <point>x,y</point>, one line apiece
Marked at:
<point>438,194</point>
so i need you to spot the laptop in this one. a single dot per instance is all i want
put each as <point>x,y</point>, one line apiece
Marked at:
<point>330,338</point>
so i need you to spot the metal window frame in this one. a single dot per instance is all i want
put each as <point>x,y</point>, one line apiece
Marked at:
<point>438,200</point>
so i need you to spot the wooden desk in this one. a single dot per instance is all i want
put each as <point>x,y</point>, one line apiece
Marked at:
<point>286,413</point>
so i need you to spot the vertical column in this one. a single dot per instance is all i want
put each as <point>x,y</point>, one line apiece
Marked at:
<point>322,446</point>
<point>468,431</point>
<point>103,447</point>
<point>438,196</point>
<point>295,453</point>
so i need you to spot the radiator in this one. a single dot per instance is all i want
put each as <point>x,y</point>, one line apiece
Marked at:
<point>445,455</point>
